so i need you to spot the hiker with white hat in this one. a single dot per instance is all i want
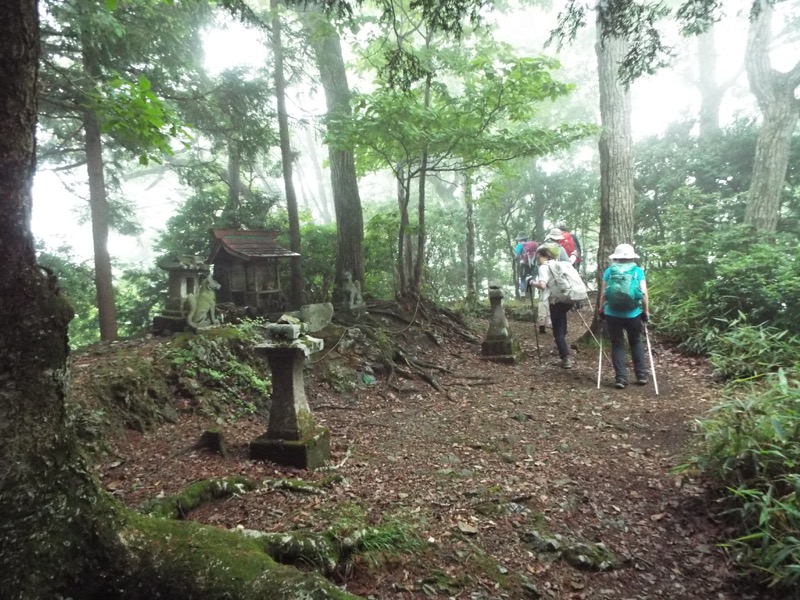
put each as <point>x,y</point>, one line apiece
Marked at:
<point>624,304</point>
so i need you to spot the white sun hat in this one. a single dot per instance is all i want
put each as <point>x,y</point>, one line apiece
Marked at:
<point>623,251</point>
<point>555,235</point>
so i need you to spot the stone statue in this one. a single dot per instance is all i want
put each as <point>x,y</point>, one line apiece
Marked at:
<point>351,290</point>
<point>201,307</point>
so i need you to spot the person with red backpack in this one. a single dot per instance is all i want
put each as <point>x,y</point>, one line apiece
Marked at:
<point>569,241</point>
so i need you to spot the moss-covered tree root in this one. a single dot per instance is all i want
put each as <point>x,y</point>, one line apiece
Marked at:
<point>189,561</point>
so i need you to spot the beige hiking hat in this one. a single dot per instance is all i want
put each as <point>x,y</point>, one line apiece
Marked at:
<point>555,235</point>
<point>623,251</point>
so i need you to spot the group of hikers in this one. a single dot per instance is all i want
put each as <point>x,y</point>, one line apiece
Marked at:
<point>550,266</point>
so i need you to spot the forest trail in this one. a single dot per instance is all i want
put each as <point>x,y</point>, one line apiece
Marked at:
<point>488,473</point>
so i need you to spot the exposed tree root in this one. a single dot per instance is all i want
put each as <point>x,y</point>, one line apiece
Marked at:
<point>187,561</point>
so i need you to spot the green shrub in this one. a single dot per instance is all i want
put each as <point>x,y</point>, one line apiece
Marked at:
<point>745,350</point>
<point>751,445</point>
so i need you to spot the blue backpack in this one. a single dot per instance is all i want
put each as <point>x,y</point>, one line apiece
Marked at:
<point>623,293</point>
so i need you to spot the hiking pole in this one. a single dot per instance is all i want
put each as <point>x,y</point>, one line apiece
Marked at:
<point>589,329</point>
<point>535,312</point>
<point>650,352</point>
<point>600,362</point>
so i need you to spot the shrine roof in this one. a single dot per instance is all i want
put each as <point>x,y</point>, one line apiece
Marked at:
<point>247,244</point>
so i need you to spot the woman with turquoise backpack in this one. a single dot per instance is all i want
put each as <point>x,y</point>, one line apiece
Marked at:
<point>624,305</point>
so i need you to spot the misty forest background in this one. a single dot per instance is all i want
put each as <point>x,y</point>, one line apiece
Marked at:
<point>411,154</point>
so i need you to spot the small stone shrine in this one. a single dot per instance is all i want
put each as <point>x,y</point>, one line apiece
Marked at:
<point>292,438</point>
<point>499,345</point>
<point>184,275</point>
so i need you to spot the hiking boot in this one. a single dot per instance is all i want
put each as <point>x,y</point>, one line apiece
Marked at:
<point>566,363</point>
<point>621,384</point>
<point>641,380</point>
<point>542,329</point>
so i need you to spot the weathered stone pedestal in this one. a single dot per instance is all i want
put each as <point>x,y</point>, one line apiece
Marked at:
<point>499,345</point>
<point>292,437</point>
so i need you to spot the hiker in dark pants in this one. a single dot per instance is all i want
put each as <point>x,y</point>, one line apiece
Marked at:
<point>624,304</point>
<point>558,310</point>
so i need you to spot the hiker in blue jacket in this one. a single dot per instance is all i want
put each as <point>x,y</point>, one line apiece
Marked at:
<point>624,304</point>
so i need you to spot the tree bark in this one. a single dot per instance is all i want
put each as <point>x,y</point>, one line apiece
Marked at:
<point>344,183</point>
<point>98,205</point>
<point>472,290</point>
<point>296,292</point>
<point>423,179</point>
<point>710,92</point>
<point>62,535</point>
<point>775,93</point>
<point>616,156</point>
<point>232,208</point>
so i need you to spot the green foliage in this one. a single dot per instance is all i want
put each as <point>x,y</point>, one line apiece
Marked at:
<point>76,281</point>
<point>138,119</point>
<point>751,445</point>
<point>140,295</point>
<point>746,350</point>
<point>716,279</point>
<point>319,245</point>
<point>380,252</point>
<point>218,369</point>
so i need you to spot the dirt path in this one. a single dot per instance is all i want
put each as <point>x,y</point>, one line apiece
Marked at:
<point>514,451</point>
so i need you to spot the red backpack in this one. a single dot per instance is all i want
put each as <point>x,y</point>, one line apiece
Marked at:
<point>569,246</point>
<point>528,254</point>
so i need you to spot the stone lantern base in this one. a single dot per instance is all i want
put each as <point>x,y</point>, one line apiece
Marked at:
<point>308,453</point>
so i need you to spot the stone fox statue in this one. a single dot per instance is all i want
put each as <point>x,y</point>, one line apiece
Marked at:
<point>351,290</point>
<point>201,307</point>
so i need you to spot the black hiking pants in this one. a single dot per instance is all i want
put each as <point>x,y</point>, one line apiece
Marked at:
<point>617,328</point>
<point>558,315</point>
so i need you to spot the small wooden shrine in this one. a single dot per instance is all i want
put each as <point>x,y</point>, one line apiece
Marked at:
<point>246,264</point>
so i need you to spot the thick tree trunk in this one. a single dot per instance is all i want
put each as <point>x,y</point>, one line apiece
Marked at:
<point>472,291</point>
<point>616,159</point>
<point>62,536</point>
<point>346,198</point>
<point>48,501</point>
<point>710,92</point>
<point>296,292</point>
<point>775,93</point>
<point>616,156</point>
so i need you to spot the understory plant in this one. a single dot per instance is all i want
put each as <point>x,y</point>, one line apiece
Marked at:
<point>217,368</point>
<point>750,446</point>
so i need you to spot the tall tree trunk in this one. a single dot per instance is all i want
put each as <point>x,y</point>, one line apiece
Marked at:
<point>296,293</point>
<point>423,179</point>
<point>62,535</point>
<point>472,290</point>
<point>232,208</point>
<point>616,156</point>
<point>346,198</point>
<point>403,249</point>
<point>98,206</point>
<point>775,93</point>
<point>710,92</point>
<point>322,205</point>
<point>46,496</point>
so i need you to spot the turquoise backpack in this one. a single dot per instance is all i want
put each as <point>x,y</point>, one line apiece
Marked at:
<point>623,293</point>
